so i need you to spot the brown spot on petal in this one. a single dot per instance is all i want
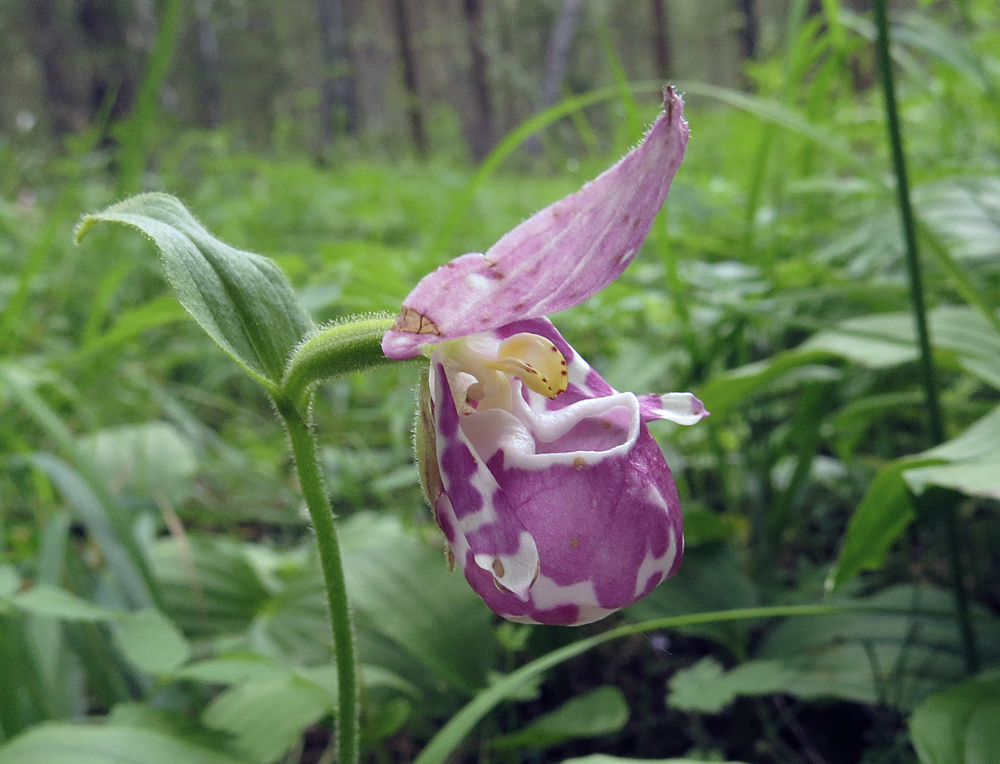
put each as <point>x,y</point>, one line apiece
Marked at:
<point>497,567</point>
<point>579,462</point>
<point>449,556</point>
<point>574,542</point>
<point>414,322</point>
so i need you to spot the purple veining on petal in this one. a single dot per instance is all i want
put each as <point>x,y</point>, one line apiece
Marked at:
<point>556,259</point>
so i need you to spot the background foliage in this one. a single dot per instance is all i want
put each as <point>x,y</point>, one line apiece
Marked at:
<point>159,592</point>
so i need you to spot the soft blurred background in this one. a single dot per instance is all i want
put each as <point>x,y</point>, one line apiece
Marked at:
<point>159,595</point>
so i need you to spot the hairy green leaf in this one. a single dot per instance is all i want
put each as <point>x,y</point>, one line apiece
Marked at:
<point>244,301</point>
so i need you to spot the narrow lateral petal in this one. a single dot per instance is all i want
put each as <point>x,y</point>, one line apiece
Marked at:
<point>680,408</point>
<point>556,259</point>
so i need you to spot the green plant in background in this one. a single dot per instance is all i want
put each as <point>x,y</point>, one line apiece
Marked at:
<point>159,577</point>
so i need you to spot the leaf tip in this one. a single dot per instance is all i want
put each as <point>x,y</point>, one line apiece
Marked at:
<point>86,223</point>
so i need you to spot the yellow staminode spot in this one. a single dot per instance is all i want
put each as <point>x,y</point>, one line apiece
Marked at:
<point>535,360</point>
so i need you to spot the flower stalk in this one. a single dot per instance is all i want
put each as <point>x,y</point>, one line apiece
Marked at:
<point>311,483</point>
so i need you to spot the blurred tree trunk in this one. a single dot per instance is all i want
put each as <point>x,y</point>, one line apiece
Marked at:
<point>84,56</point>
<point>338,108</point>
<point>208,58</point>
<point>749,29</point>
<point>401,23</point>
<point>481,135</point>
<point>145,24</point>
<point>661,39</point>
<point>557,60</point>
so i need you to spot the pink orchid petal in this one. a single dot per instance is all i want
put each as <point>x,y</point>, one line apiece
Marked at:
<point>558,258</point>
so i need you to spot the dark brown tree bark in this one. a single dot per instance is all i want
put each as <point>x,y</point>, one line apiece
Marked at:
<point>338,109</point>
<point>401,24</point>
<point>481,135</point>
<point>661,39</point>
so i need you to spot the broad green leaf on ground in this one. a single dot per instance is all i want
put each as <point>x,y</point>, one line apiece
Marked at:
<point>960,725</point>
<point>598,712</point>
<point>151,641</point>
<point>884,513</point>
<point>415,617</point>
<point>965,212</point>
<point>876,341</point>
<point>888,339</point>
<point>172,722</point>
<point>966,463</point>
<point>267,717</point>
<point>707,688</point>
<point>980,442</point>
<point>52,601</point>
<point>972,479</point>
<point>231,668</point>
<point>919,31</point>
<point>151,460</point>
<point>244,301</point>
<point>208,585</point>
<point>889,659</point>
<point>51,743</point>
<point>412,617</point>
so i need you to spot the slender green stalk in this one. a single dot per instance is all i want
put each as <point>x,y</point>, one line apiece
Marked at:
<point>311,482</point>
<point>920,318</point>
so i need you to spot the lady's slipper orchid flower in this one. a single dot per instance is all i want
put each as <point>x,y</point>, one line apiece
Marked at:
<point>552,493</point>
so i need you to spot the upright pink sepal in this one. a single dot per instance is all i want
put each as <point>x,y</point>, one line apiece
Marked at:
<point>558,258</point>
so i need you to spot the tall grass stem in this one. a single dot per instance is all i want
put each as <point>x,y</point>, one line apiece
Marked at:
<point>311,483</point>
<point>133,151</point>
<point>931,394</point>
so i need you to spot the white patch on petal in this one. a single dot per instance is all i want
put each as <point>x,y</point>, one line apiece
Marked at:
<point>518,569</point>
<point>550,426</point>
<point>652,565</point>
<point>653,496</point>
<point>547,594</point>
<point>515,572</point>
<point>489,431</point>
<point>477,282</point>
